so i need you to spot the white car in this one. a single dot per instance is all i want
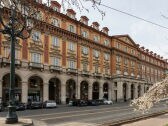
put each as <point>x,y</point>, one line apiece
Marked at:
<point>108,102</point>
<point>50,104</point>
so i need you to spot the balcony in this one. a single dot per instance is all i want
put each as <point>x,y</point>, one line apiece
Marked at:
<point>36,65</point>
<point>55,68</point>
<point>107,76</point>
<point>5,61</point>
<point>97,75</point>
<point>85,73</point>
<point>71,71</point>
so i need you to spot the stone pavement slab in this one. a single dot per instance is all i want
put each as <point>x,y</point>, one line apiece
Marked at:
<point>161,120</point>
<point>21,122</point>
<point>75,124</point>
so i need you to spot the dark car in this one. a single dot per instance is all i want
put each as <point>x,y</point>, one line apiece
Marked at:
<point>78,102</point>
<point>20,106</point>
<point>100,102</point>
<point>34,105</point>
<point>92,103</point>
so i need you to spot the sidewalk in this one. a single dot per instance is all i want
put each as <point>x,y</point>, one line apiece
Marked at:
<point>161,120</point>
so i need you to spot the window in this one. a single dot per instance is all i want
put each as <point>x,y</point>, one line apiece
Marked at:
<point>132,63</point>
<point>7,52</point>
<point>96,38</point>
<point>39,16</point>
<point>85,50</point>
<point>125,48</point>
<point>71,46</point>
<point>36,36</point>
<point>132,51</point>
<point>36,57</point>
<point>85,34</point>
<point>55,61</point>
<point>96,53</point>
<point>117,45</point>
<point>106,43</point>
<point>85,67</point>
<point>55,22</point>
<point>96,69</point>
<point>17,54</point>
<point>55,41</point>
<point>143,57</point>
<point>71,28</point>
<point>125,61</point>
<point>56,9</point>
<point>71,64</point>
<point>118,59</point>
<point>106,56</point>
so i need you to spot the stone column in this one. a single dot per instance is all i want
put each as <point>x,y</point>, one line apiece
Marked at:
<point>135,90</point>
<point>78,91</point>
<point>90,91</point>
<point>128,91</point>
<point>63,92</point>
<point>1,88</point>
<point>142,89</point>
<point>113,88</point>
<point>101,90</point>
<point>24,91</point>
<point>120,91</point>
<point>45,91</point>
<point>109,91</point>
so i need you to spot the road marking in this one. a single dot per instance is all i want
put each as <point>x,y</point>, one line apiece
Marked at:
<point>77,111</point>
<point>44,119</point>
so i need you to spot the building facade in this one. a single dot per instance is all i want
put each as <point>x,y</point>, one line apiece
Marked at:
<point>67,59</point>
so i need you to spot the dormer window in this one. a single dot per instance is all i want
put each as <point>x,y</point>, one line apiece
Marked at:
<point>84,20</point>
<point>71,13</point>
<point>56,9</point>
<point>95,25</point>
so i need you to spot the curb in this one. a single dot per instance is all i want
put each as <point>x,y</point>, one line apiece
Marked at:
<point>126,121</point>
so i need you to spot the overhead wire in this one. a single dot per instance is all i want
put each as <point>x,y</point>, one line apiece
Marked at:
<point>123,12</point>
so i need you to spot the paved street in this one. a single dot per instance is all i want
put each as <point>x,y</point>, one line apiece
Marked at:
<point>91,114</point>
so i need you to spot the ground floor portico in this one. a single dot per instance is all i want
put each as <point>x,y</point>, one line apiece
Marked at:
<point>41,86</point>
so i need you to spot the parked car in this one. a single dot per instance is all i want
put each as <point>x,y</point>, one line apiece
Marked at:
<point>77,102</point>
<point>92,103</point>
<point>100,102</point>
<point>49,104</point>
<point>20,106</point>
<point>34,105</point>
<point>108,102</point>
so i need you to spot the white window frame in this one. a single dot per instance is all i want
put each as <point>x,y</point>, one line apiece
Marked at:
<point>96,38</point>
<point>36,35</point>
<point>55,41</point>
<point>71,46</point>
<point>106,42</point>
<point>85,50</point>
<point>84,34</point>
<point>71,64</point>
<point>56,61</point>
<point>96,53</point>
<point>71,28</point>
<point>55,22</point>
<point>106,56</point>
<point>36,57</point>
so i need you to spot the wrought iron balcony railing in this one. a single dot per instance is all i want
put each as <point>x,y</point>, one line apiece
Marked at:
<point>55,68</point>
<point>36,65</point>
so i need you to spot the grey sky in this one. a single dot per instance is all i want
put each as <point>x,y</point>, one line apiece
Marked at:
<point>152,37</point>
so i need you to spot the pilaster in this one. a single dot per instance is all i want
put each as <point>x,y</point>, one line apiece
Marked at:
<point>45,91</point>
<point>24,91</point>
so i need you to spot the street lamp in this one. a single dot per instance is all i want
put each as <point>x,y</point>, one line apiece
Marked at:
<point>17,24</point>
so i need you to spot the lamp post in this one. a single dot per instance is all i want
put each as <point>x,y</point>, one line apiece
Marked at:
<point>16,25</point>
